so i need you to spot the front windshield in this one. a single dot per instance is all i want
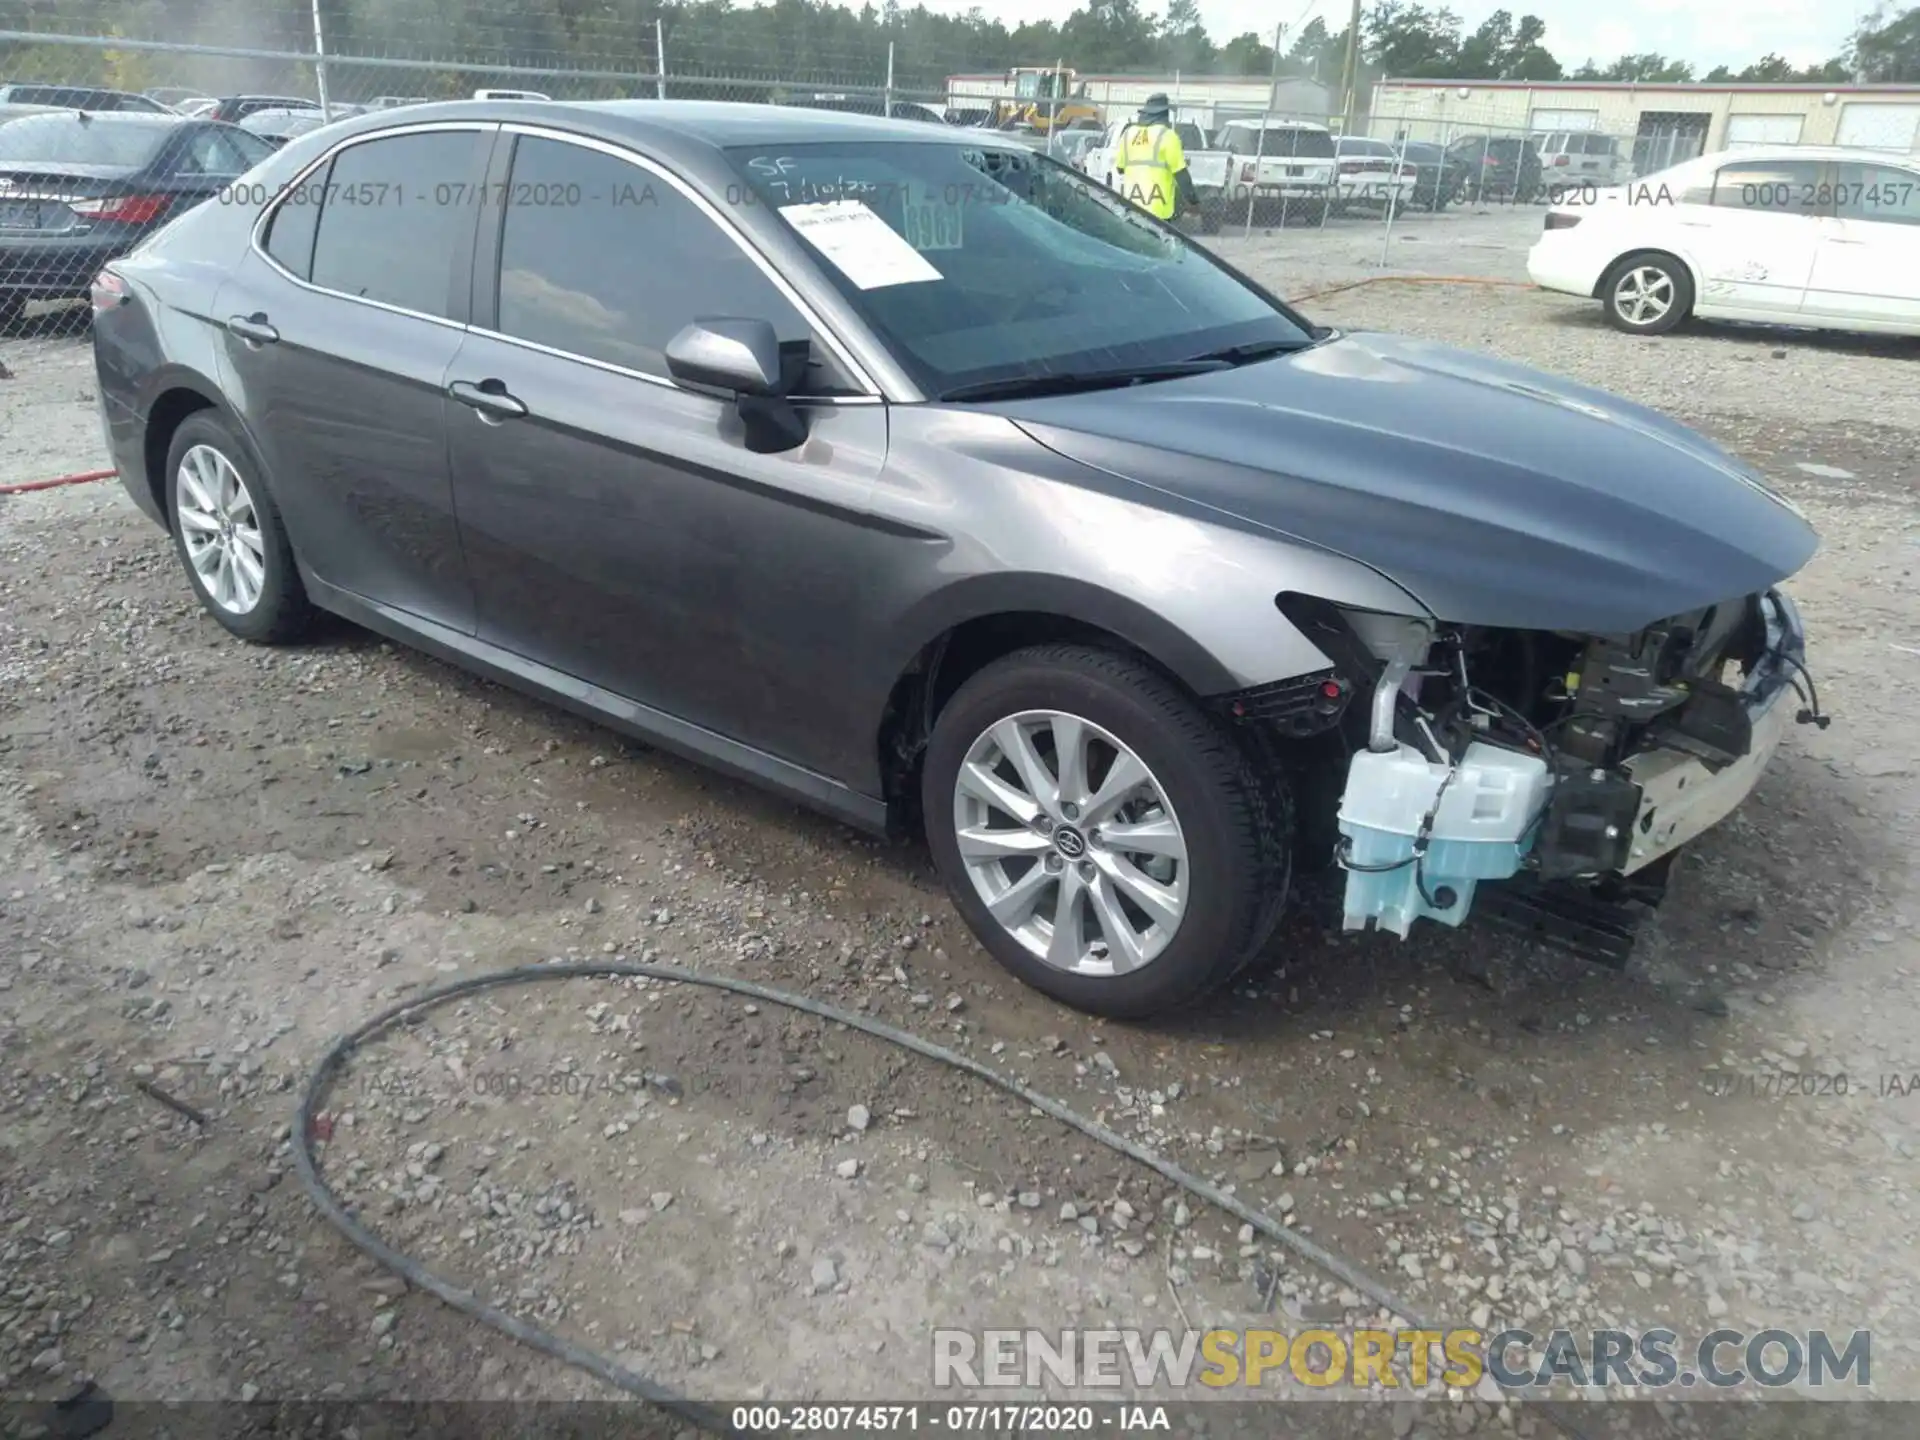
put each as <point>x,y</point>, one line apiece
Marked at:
<point>983,265</point>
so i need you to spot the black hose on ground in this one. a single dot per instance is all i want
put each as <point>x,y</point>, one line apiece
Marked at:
<point>559,1348</point>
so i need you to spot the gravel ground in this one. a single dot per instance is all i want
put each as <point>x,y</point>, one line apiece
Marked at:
<point>213,858</point>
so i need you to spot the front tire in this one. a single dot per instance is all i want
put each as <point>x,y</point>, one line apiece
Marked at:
<point>229,535</point>
<point>1109,842</point>
<point>1646,294</point>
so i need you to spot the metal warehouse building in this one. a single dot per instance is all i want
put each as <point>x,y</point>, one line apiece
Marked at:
<point>1665,122</point>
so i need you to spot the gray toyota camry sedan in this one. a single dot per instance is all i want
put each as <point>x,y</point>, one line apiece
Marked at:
<point>920,478</point>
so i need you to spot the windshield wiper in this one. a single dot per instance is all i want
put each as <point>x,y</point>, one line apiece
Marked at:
<point>1254,350</point>
<point>1064,382</point>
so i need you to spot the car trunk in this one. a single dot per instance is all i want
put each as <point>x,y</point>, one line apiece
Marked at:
<point>40,198</point>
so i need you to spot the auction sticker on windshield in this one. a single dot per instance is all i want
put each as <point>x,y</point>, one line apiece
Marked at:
<point>866,249</point>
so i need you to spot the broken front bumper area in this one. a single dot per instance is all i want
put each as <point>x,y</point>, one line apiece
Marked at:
<point>1669,795</point>
<point>1567,835</point>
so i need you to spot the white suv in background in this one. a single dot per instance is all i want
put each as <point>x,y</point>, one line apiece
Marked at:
<point>1581,157</point>
<point>1789,235</point>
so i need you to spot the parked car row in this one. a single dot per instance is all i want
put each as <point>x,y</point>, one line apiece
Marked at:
<point>79,188</point>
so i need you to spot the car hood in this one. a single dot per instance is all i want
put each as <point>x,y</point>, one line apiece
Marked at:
<point>1493,493</point>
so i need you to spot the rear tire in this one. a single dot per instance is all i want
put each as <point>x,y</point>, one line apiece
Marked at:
<point>1646,293</point>
<point>229,535</point>
<point>1215,880</point>
<point>13,310</point>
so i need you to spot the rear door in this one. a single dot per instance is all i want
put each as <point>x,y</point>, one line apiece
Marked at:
<point>1867,267</point>
<point>1754,243</point>
<point>340,326</point>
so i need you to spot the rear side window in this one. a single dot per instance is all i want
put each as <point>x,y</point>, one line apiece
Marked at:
<point>381,236</point>
<point>1771,187</point>
<point>221,152</point>
<point>603,259</point>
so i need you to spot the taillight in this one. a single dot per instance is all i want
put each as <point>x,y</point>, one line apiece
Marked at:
<point>1561,222</point>
<point>1350,167</point>
<point>127,209</point>
<point>1562,160</point>
<point>1408,172</point>
<point>108,292</point>
<point>1248,172</point>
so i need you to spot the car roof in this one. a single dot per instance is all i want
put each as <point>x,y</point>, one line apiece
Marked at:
<point>711,123</point>
<point>1811,152</point>
<point>156,118</point>
<point>1272,122</point>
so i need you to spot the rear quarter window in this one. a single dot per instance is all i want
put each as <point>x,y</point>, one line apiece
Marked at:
<point>291,226</point>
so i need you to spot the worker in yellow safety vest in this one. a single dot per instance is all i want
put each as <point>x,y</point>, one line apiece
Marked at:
<point>1151,163</point>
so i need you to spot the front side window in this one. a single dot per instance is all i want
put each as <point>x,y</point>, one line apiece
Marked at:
<point>604,259</point>
<point>1771,187</point>
<point>381,235</point>
<point>982,265</point>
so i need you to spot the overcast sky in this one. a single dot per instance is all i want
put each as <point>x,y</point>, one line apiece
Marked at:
<point>1705,32</point>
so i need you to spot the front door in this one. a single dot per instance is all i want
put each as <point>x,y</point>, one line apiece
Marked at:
<point>1754,242</point>
<point>617,527</point>
<point>336,346</point>
<point>1868,264</point>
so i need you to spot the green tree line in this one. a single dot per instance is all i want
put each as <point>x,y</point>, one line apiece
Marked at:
<point>818,41</point>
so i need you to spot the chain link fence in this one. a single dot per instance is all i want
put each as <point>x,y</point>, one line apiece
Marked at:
<point>278,68</point>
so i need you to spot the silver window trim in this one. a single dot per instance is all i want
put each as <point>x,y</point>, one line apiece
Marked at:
<point>842,351</point>
<point>780,283</point>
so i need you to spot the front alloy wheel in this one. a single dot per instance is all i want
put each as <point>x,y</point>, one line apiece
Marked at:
<point>1107,840</point>
<point>1071,843</point>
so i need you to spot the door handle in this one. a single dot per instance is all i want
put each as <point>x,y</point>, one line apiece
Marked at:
<point>489,399</point>
<point>253,329</point>
<point>1843,240</point>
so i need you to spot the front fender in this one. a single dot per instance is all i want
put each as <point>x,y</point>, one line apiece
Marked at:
<point>980,597</point>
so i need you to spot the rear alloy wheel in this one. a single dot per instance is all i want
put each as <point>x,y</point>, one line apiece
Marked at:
<point>1646,294</point>
<point>1107,840</point>
<point>229,536</point>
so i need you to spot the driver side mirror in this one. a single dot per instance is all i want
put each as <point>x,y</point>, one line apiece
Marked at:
<point>743,359</point>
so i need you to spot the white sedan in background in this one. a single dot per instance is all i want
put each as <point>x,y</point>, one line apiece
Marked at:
<point>1789,235</point>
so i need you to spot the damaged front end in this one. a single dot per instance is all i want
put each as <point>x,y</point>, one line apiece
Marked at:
<point>1540,779</point>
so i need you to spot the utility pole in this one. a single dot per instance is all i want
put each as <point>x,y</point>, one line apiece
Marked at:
<point>1273,89</point>
<point>320,62</point>
<point>1350,76</point>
